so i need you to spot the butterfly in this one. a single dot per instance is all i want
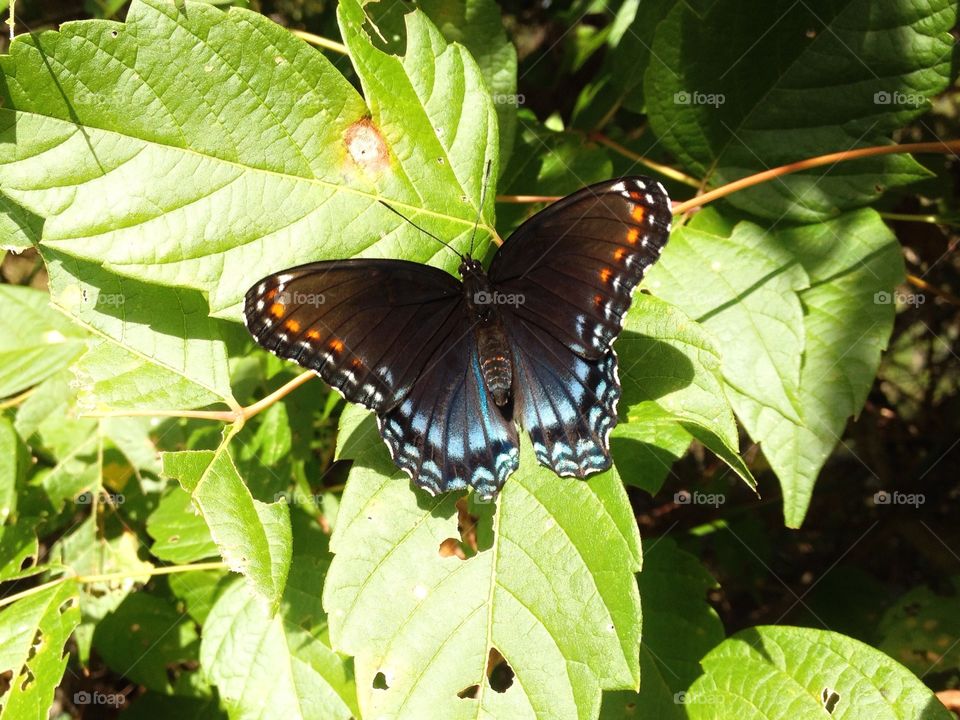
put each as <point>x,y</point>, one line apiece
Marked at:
<point>450,367</point>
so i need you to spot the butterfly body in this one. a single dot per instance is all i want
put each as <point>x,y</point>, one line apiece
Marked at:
<point>493,347</point>
<point>451,366</point>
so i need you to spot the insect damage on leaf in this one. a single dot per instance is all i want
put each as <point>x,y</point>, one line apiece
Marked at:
<point>366,146</point>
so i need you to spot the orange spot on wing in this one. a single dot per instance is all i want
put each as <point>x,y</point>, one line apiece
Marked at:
<point>336,345</point>
<point>270,294</point>
<point>619,254</point>
<point>292,325</point>
<point>632,236</point>
<point>635,195</point>
<point>637,213</point>
<point>355,363</point>
<point>313,335</point>
<point>606,274</point>
<point>277,310</point>
<point>598,300</point>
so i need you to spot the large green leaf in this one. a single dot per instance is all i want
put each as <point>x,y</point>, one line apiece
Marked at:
<point>788,82</point>
<point>551,590</point>
<point>180,535</point>
<point>35,340</point>
<point>854,263</point>
<point>680,627</point>
<point>786,672</point>
<point>33,633</point>
<point>670,371</point>
<point>744,290</point>
<point>253,537</point>
<point>218,147</point>
<point>157,349</point>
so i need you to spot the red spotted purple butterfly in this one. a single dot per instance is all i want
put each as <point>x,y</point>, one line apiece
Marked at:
<point>450,366</point>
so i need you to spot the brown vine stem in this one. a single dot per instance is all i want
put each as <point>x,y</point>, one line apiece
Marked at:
<point>952,146</point>
<point>933,290</point>
<point>240,415</point>
<point>106,577</point>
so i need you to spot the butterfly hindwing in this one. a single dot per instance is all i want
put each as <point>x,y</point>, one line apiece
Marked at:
<point>566,403</point>
<point>448,433</point>
<point>367,327</point>
<point>573,266</point>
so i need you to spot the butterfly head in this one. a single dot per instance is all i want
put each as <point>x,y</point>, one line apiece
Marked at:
<point>470,267</point>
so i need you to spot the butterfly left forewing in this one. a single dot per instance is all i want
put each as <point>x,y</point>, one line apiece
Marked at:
<point>367,327</point>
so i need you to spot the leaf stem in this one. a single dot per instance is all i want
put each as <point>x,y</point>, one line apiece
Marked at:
<point>933,290</point>
<point>664,170</point>
<point>239,415</point>
<point>319,41</point>
<point>119,575</point>
<point>952,146</point>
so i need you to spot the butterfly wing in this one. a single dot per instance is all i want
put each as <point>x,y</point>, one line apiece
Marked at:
<point>368,327</point>
<point>566,403</point>
<point>448,433</point>
<point>575,264</point>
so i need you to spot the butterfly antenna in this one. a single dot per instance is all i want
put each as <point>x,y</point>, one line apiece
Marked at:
<point>483,197</point>
<point>425,232</point>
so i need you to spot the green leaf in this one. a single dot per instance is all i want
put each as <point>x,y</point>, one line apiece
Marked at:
<point>253,537</point>
<point>785,672</point>
<point>14,460</point>
<point>180,534</point>
<point>476,25</point>
<point>921,629</point>
<point>744,289</point>
<point>198,590</point>
<point>679,628</point>
<point>159,350</point>
<point>33,635</point>
<point>551,590</point>
<point>35,340</point>
<point>85,552</point>
<point>785,83</point>
<point>19,550</point>
<point>264,666</point>
<point>204,114</point>
<point>645,448</point>
<point>854,263</point>
<point>143,638</point>
<point>670,372</point>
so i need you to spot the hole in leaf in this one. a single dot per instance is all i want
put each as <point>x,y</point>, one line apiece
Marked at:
<point>380,682</point>
<point>469,693</point>
<point>499,672</point>
<point>28,562</point>
<point>114,33</point>
<point>28,678</point>
<point>830,698</point>
<point>65,605</point>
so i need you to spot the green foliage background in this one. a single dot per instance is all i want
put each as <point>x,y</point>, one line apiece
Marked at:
<point>203,563</point>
